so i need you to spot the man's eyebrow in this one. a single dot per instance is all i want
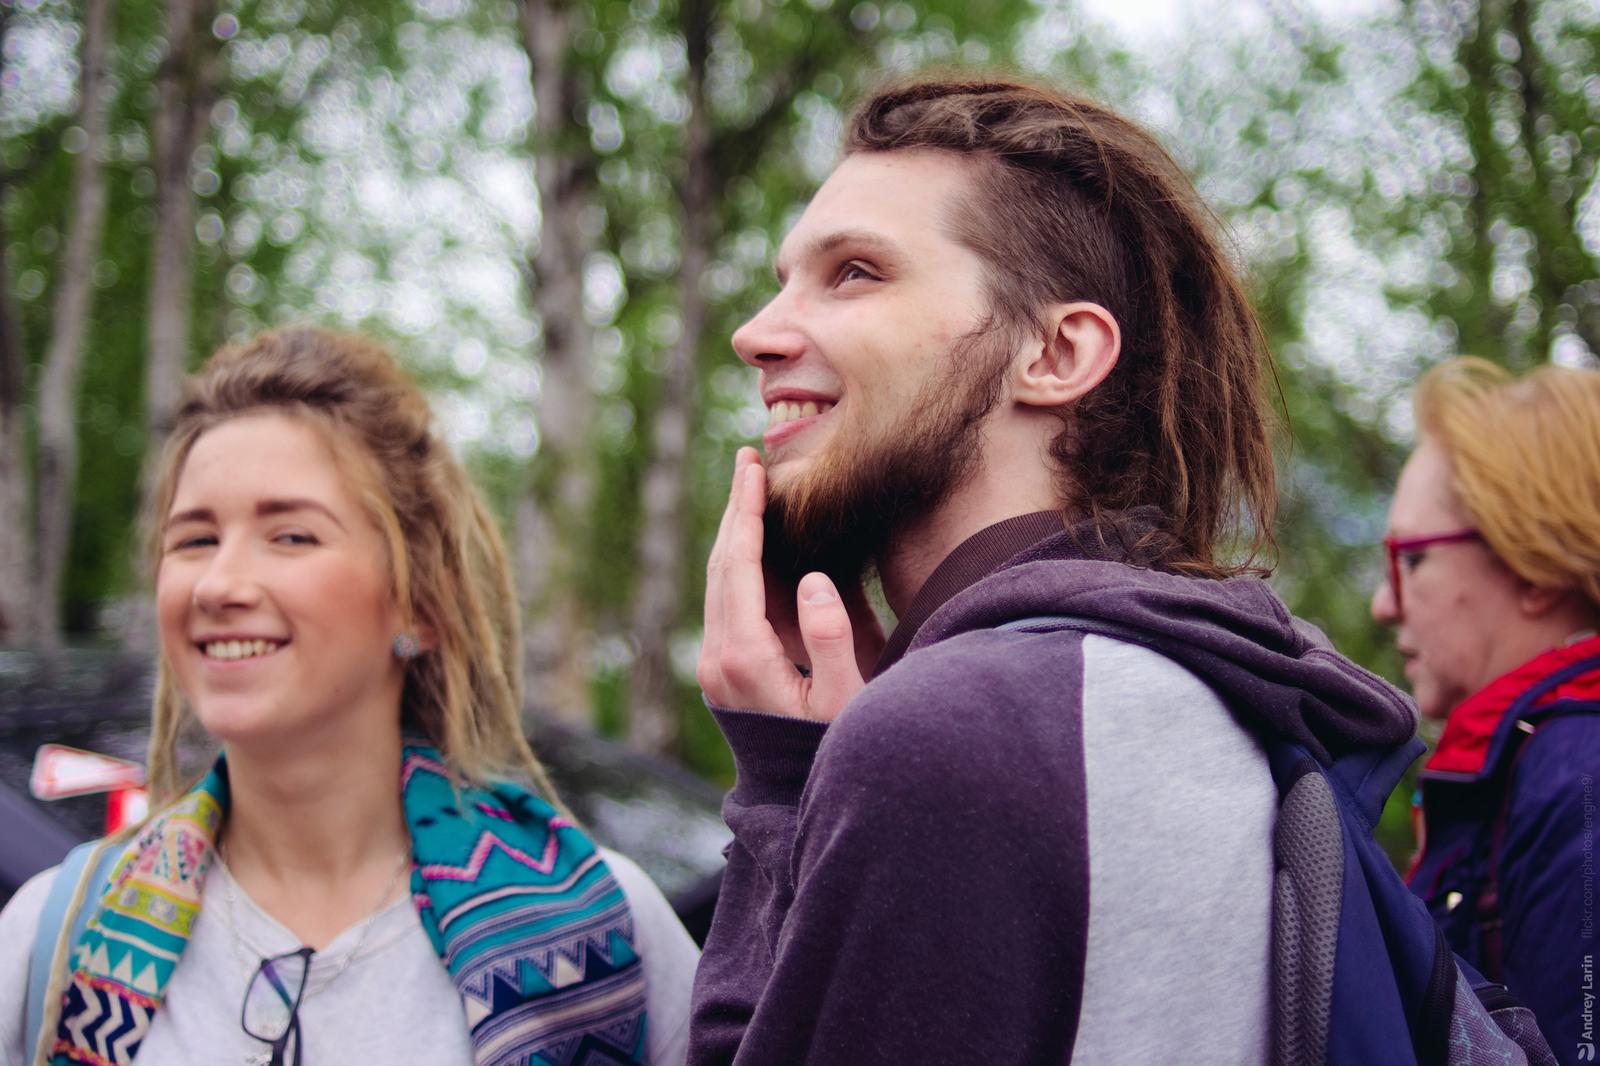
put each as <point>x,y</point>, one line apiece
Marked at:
<point>821,245</point>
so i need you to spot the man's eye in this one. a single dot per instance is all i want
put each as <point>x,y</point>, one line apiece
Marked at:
<point>856,272</point>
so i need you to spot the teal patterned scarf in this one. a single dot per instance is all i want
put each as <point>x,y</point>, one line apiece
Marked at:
<point>518,903</point>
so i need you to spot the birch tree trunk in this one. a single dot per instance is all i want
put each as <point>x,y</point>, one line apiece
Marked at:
<point>16,549</point>
<point>186,88</point>
<point>552,519</point>
<point>17,622</point>
<point>664,532</point>
<point>63,369</point>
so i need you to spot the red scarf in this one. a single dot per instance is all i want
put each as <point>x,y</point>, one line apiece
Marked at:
<point>1464,745</point>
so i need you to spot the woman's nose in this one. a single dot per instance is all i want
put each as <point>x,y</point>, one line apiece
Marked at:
<point>228,582</point>
<point>1385,608</point>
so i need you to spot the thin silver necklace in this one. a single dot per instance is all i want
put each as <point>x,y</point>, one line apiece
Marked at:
<point>240,945</point>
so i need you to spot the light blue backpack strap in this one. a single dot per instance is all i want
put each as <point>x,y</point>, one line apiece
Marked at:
<point>71,872</point>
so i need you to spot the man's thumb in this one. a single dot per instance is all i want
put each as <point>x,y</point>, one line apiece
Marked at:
<point>830,644</point>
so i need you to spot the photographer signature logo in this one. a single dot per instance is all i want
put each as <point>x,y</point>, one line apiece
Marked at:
<point>1586,1046</point>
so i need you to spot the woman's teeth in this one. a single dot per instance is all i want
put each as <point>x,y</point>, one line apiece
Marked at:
<point>787,411</point>
<point>239,649</point>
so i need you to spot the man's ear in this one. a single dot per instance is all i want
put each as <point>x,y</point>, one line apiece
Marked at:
<point>1078,351</point>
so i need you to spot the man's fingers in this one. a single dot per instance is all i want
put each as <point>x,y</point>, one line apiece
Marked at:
<point>716,568</point>
<point>742,559</point>
<point>743,659</point>
<point>829,640</point>
<point>742,663</point>
<point>708,671</point>
<point>741,459</point>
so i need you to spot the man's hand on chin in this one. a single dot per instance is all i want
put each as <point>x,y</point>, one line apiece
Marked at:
<point>749,654</point>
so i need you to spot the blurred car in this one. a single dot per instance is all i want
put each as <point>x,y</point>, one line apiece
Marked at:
<point>658,814</point>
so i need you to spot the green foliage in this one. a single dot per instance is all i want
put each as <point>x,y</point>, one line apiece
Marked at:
<point>1458,202</point>
<point>1400,189</point>
<point>777,76</point>
<point>38,182</point>
<point>105,553</point>
<point>1508,86</point>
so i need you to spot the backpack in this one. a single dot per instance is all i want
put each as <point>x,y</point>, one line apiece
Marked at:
<point>1361,973</point>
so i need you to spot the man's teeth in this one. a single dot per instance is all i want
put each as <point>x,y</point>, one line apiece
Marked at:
<point>240,649</point>
<point>787,411</point>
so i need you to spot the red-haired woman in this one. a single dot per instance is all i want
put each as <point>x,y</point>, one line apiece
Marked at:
<point>1494,591</point>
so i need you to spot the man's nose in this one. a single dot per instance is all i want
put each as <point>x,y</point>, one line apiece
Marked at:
<point>773,335</point>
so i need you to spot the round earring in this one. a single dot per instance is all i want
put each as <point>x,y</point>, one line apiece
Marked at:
<point>406,646</point>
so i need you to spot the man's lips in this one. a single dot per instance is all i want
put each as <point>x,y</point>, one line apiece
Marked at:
<point>783,411</point>
<point>791,414</point>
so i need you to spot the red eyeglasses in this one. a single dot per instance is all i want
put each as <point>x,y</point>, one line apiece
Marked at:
<point>1394,546</point>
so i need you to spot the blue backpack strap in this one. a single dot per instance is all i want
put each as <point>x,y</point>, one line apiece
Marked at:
<point>54,921</point>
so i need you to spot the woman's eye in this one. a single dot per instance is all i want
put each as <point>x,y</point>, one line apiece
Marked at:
<point>1409,560</point>
<point>198,540</point>
<point>295,538</point>
<point>855,272</point>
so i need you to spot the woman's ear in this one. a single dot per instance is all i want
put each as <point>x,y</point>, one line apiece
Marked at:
<point>1568,607</point>
<point>422,630</point>
<point>427,633</point>
<point>1079,349</point>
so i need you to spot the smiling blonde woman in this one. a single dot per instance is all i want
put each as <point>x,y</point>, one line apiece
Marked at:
<point>375,868</point>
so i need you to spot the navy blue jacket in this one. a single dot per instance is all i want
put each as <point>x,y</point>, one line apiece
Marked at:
<point>1508,805</point>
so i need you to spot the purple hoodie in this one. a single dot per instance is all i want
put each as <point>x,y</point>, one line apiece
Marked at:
<point>911,884</point>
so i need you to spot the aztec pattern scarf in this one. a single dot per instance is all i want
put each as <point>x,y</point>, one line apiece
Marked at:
<point>518,903</point>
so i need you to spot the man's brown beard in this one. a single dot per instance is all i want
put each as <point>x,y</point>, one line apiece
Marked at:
<point>870,486</point>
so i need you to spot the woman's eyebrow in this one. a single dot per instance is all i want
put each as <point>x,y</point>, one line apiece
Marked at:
<point>198,514</point>
<point>265,508</point>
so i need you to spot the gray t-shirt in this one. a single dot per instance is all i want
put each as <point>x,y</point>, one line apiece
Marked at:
<point>392,1001</point>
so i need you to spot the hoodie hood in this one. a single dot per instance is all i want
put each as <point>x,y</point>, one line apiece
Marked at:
<point>1279,674</point>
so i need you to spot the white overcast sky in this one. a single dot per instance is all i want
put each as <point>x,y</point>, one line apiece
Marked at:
<point>1148,22</point>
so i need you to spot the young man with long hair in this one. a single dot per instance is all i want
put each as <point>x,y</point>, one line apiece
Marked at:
<point>1010,369</point>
